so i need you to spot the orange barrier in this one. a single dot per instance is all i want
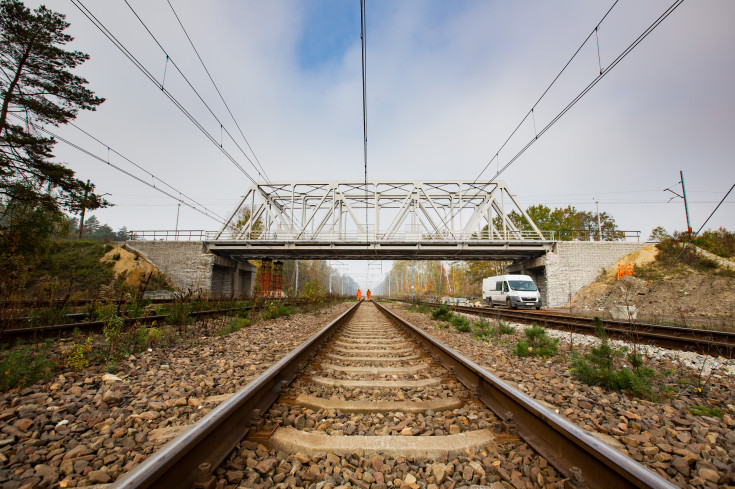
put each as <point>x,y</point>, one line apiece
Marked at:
<point>624,270</point>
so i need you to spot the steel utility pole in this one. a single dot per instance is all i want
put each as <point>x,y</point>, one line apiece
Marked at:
<point>599,227</point>
<point>684,197</point>
<point>296,287</point>
<point>686,206</point>
<point>178,209</point>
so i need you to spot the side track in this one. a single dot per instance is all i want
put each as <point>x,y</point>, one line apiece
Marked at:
<point>380,385</point>
<point>710,342</point>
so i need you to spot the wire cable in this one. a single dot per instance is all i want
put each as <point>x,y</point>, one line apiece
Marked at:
<point>518,126</point>
<point>205,212</point>
<point>173,63</point>
<point>363,41</point>
<point>218,90</point>
<point>154,177</point>
<point>120,46</point>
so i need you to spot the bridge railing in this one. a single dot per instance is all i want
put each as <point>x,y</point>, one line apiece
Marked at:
<point>549,235</point>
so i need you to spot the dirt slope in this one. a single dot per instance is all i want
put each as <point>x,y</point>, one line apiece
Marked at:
<point>136,268</point>
<point>683,293</point>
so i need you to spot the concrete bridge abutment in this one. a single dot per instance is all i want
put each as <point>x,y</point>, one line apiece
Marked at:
<point>571,265</point>
<point>193,269</point>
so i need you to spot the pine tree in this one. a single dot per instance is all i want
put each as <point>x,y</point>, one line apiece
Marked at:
<point>37,88</point>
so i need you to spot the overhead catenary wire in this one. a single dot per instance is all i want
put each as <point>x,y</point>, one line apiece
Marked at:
<point>141,168</point>
<point>363,42</point>
<point>186,79</point>
<point>218,91</point>
<point>121,47</point>
<point>543,94</point>
<point>205,211</point>
<point>581,94</point>
<point>594,82</point>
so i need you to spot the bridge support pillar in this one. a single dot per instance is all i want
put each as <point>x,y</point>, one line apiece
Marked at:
<point>571,265</point>
<point>194,270</point>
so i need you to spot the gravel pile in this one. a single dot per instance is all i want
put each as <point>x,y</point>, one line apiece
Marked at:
<point>89,427</point>
<point>692,450</point>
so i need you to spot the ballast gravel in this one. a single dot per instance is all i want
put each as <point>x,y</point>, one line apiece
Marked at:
<point>83,428</point>
<point>668,432</point>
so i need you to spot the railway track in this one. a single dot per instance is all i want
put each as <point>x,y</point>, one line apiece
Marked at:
<point>710,342</point>
<point>371,400</point>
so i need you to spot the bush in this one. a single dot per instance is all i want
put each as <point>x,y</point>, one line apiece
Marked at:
<point>460,323</point>
<point>601,367</point>
<point>536,344</point>
<point>112,330</point>
<point>442,313</point>
<point>22,365</point>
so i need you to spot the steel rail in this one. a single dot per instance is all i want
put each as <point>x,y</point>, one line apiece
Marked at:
<point>210,440</point>
<point>710,342</point>
<point>565,445</point>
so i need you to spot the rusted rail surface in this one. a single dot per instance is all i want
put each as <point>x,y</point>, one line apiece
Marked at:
<point>710,342</point>
<point>572,451</point>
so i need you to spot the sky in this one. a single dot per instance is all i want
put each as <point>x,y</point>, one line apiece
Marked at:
<point>447,82</point>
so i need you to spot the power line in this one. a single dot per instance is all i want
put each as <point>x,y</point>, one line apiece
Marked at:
<point>205,212</point>
<point>594,82</point>
<point>173,63</point>
<point>530,112</point>
<point>218,91</point>
<point>120,46</point>
<point>142,169</point>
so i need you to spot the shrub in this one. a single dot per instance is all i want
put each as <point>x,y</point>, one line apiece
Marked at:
<point>460,323</point>
<point>22,365</point>
<point>112,330</point>
<point>482,329</point>
<point>536,344</point>
<point>601,367</point>
<point>77,355</point>
<point>442,313</point>
<point>505,328</point>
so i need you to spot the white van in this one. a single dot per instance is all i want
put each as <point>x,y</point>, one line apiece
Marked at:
<point>511,291</point>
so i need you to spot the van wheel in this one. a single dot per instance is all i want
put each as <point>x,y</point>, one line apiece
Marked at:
<point>490,304</point>
<point>509,304</point>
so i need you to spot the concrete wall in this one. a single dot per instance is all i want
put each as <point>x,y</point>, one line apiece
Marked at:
<point>194,270</point>
<point>571,266</point>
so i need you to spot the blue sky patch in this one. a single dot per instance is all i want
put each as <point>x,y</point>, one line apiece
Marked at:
<point>330,28</point>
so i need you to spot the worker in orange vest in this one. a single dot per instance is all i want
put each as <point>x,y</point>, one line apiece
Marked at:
<point>368,294</point>
<point>359,294</point>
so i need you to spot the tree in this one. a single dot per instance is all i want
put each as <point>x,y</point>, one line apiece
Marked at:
<point>37,88</point>
<point>567,223</point>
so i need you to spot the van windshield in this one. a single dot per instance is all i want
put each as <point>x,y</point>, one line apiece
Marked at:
<point>522,285</point>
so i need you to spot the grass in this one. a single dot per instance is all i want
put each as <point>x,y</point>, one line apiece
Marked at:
<point>536,344</point>
<point>505,328</point>
<point>24,365</point>
<point>273,310</point>
<point>234,325</point>
<point>706,411</point>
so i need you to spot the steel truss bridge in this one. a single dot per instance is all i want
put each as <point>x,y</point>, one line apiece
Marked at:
<point>446,220</point>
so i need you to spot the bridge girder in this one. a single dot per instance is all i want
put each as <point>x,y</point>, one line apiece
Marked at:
<point>425,220</point>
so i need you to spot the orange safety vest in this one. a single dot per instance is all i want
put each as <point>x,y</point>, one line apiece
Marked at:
<point>359,294</point>
<point>368,294</point>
